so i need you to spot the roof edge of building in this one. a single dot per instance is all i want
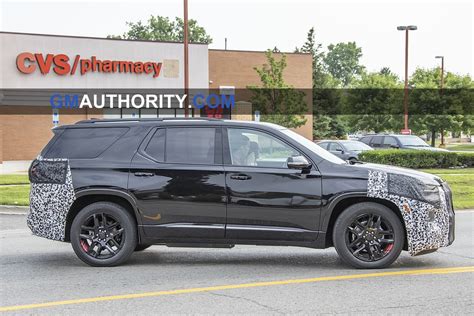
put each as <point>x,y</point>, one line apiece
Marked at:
<point>95,38</point>
<point>255,51</point>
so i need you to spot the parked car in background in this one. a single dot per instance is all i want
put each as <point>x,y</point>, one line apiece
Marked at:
<point>345,149</point>
<point>386,141</point>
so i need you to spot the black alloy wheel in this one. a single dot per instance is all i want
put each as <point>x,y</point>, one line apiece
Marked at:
<point>104,234</point>
<point>368,235</point>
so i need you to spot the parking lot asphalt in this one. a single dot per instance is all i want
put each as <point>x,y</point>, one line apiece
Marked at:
<point>39,276</point>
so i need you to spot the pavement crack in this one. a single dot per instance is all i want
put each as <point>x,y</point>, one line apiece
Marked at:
<point>269,308</point>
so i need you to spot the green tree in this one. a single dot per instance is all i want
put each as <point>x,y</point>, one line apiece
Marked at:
<point>342,62</point>
<point>438,111</point>
<point>160,28</point>
<point>325,123</point>
<point>377,96</point>
<point>277,101</point>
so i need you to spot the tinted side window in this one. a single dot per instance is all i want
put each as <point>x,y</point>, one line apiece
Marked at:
<point>376,141</point>
<point>335,147</point>
<point>84,142</point>
<point>323,145</point>
<point>192,145</point>
<point>389,141</point>
<point>254,148</point>
<point>156,146</point>
<point>366,140</point>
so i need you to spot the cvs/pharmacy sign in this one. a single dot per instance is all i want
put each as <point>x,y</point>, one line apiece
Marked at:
<point>63,65</point>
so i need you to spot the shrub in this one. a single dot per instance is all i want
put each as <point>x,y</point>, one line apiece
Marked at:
<point>418,158</point>
<point>466,159</point>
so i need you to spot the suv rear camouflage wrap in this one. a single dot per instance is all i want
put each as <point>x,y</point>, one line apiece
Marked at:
<point>51,196</point>
<point>427,223</point>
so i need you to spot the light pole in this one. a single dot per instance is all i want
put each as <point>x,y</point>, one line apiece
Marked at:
<point>441,92</point>
<point>405,97</point>
<point>186,59</point>
<point>442,73</point>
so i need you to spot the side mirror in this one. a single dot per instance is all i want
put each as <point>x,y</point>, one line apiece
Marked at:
<point>298,162</point>
<point>394,146</point>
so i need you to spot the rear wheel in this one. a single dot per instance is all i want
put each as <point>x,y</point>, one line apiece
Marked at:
<point>103,234</point>
<point>368,236</point>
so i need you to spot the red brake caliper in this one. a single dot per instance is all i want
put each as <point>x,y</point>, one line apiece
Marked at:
<point>389,248</point>
<point>84,246</point>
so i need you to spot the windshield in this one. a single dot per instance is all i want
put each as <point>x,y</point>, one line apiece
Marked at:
<point>313,147</point>
<point>411,140</point>
<point>356,146</point>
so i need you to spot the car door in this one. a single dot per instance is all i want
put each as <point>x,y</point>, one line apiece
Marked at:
<point>266,199</point>
<point>178,181</point>
<point>376,142</point>
<point>390,142</point>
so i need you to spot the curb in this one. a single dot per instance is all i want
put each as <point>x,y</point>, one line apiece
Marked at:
<point>13,210</point>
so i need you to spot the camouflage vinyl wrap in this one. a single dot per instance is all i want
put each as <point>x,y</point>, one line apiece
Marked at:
<point>427,224</point>
<point>50,198</point>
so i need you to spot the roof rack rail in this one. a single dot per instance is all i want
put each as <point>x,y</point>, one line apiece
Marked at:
<point>160,119</point>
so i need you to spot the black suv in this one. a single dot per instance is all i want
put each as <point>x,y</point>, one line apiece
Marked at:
<point>111,187</point>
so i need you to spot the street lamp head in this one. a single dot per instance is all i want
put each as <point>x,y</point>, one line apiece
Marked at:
<point>409,28</point>
<point>439,57</point>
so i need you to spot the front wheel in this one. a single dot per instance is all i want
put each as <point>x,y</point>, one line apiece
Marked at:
<point>103,234</point>
<point>368,236</point>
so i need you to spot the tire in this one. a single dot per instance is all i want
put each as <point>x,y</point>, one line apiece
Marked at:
<point>88,228</point>
<point>364,246</point>
<point>141,247</point>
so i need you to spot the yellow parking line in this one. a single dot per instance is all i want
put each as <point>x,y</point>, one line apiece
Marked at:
<point>239,286</point>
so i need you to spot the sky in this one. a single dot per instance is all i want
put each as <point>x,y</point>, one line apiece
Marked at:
<point>444,27</point>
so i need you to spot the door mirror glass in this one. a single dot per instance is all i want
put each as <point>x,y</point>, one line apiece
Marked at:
<point>298,162</point>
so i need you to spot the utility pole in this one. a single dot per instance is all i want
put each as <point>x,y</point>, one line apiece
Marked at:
<point>441,84</point>
<point>186,60</point>
<point>405,97</point>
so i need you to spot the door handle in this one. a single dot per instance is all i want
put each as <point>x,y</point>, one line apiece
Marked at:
<point>240,177</point>
<point>144,174</point>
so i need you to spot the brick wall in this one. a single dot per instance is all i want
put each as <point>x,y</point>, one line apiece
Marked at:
<point>236,68</point>
<point>27,129</point>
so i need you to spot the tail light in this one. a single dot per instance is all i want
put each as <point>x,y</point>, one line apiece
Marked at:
<point>48,171</point>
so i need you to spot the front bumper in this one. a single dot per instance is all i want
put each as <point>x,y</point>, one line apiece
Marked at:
<point>428,227</point>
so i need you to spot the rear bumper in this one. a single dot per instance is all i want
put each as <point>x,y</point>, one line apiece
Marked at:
<point>50,202</point>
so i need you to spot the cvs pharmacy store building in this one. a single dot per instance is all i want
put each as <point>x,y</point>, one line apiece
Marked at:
<point>34,66</point>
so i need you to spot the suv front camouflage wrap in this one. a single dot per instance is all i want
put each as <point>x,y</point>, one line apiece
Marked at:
<point>427,221</point>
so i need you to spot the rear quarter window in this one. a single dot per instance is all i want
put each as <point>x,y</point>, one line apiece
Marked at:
<point>80,143</point>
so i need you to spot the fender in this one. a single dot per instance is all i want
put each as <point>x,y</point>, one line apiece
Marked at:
<point>112,191</point>
<point>333,201</point>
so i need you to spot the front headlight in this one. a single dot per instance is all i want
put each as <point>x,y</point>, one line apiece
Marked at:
<point>431,194</point>
<point>422,190</point>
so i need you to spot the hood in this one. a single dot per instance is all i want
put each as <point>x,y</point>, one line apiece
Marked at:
<point>423,176</point>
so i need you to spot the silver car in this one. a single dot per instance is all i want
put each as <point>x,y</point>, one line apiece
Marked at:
<point>345,149</point>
